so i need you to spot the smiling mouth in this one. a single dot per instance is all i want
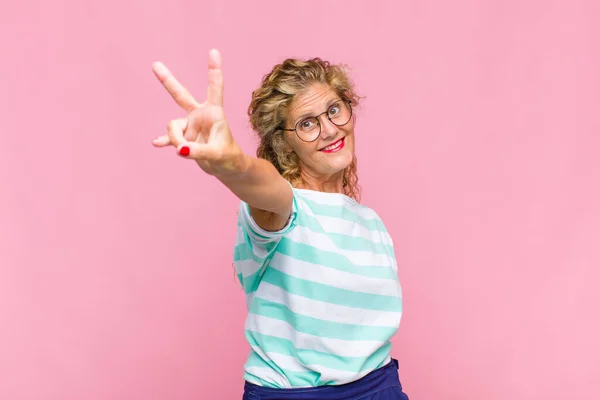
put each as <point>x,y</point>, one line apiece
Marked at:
<point>333,147</point>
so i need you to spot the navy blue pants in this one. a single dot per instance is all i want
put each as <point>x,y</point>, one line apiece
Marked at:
<point>381,384</point>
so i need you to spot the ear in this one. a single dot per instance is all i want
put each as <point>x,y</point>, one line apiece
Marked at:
<point>287,146</point>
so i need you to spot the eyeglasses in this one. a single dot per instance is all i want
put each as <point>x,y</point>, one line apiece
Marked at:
<point>309,129</point>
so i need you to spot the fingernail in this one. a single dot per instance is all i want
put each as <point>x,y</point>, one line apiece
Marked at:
<point>184,151</point>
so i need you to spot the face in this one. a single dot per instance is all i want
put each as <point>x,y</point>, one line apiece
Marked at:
<point>326,157</point>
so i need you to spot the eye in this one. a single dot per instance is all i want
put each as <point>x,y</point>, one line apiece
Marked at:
<point>306,124</point>
<point>334,110</point>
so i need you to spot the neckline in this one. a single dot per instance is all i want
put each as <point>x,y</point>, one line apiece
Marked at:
<point>344,196</point>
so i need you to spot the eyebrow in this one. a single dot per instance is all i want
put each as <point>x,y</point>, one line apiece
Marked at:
<point>310,114</point>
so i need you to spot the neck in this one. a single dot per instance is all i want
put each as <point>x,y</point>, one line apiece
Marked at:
<point>330,184</point>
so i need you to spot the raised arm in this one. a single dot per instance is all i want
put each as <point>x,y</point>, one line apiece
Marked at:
<point>204,136</point>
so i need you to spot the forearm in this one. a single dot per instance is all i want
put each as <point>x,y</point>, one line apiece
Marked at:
<point>258,183</point>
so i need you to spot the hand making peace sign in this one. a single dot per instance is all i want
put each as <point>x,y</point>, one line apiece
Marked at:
<point>203,135</point>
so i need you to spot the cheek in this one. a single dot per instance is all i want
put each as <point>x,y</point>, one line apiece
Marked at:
<point>303,149</point>
<point>350,141</point>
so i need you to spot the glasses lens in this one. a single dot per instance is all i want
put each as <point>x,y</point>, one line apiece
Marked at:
<point>340,113</point>
<point>308,129</point>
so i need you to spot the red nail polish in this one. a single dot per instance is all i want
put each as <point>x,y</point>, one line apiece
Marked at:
<point>184,151</point>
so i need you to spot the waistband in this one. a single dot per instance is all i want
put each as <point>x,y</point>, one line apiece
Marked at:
<point>381,378</point>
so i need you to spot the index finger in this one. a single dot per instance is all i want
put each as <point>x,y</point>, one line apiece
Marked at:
<point>177,91</point>
<point>214,92</point>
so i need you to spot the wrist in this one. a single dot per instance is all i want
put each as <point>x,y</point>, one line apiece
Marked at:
<point>235,167</point>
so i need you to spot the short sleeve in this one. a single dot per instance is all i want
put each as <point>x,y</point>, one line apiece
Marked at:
<point>255,246</point>
<point>259,235</point>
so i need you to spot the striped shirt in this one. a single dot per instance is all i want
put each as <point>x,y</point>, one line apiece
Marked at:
<point>322,293</point>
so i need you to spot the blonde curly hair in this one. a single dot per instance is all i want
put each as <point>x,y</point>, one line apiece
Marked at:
<point>268,112</point>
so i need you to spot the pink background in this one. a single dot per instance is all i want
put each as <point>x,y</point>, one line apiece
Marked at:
<point>478,144</point>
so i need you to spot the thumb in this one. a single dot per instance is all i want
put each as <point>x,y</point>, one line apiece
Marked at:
<point>196,151</point>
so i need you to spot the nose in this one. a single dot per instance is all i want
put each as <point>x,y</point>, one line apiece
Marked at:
<point>328,128</point>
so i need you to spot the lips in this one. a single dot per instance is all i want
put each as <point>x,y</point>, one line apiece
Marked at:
<point>335,146</point>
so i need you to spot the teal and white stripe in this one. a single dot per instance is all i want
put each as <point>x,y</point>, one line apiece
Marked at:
<point>323,295</point>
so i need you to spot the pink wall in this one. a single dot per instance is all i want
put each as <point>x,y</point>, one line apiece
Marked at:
<point>478,144</point>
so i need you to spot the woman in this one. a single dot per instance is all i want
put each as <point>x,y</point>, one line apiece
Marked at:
<point>318,268</point>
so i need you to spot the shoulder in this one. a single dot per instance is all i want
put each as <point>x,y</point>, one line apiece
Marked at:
<point>333,205</point>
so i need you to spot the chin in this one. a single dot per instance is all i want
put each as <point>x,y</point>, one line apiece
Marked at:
<point>330,163</point>
<point>341,162</point>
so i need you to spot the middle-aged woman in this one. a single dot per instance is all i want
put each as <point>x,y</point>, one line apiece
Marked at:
<point>317,267</point>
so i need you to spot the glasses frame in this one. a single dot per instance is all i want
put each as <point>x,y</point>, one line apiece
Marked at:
<point>295,129</point>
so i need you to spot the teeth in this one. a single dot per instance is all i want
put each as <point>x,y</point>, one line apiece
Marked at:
<point>334,146</point>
